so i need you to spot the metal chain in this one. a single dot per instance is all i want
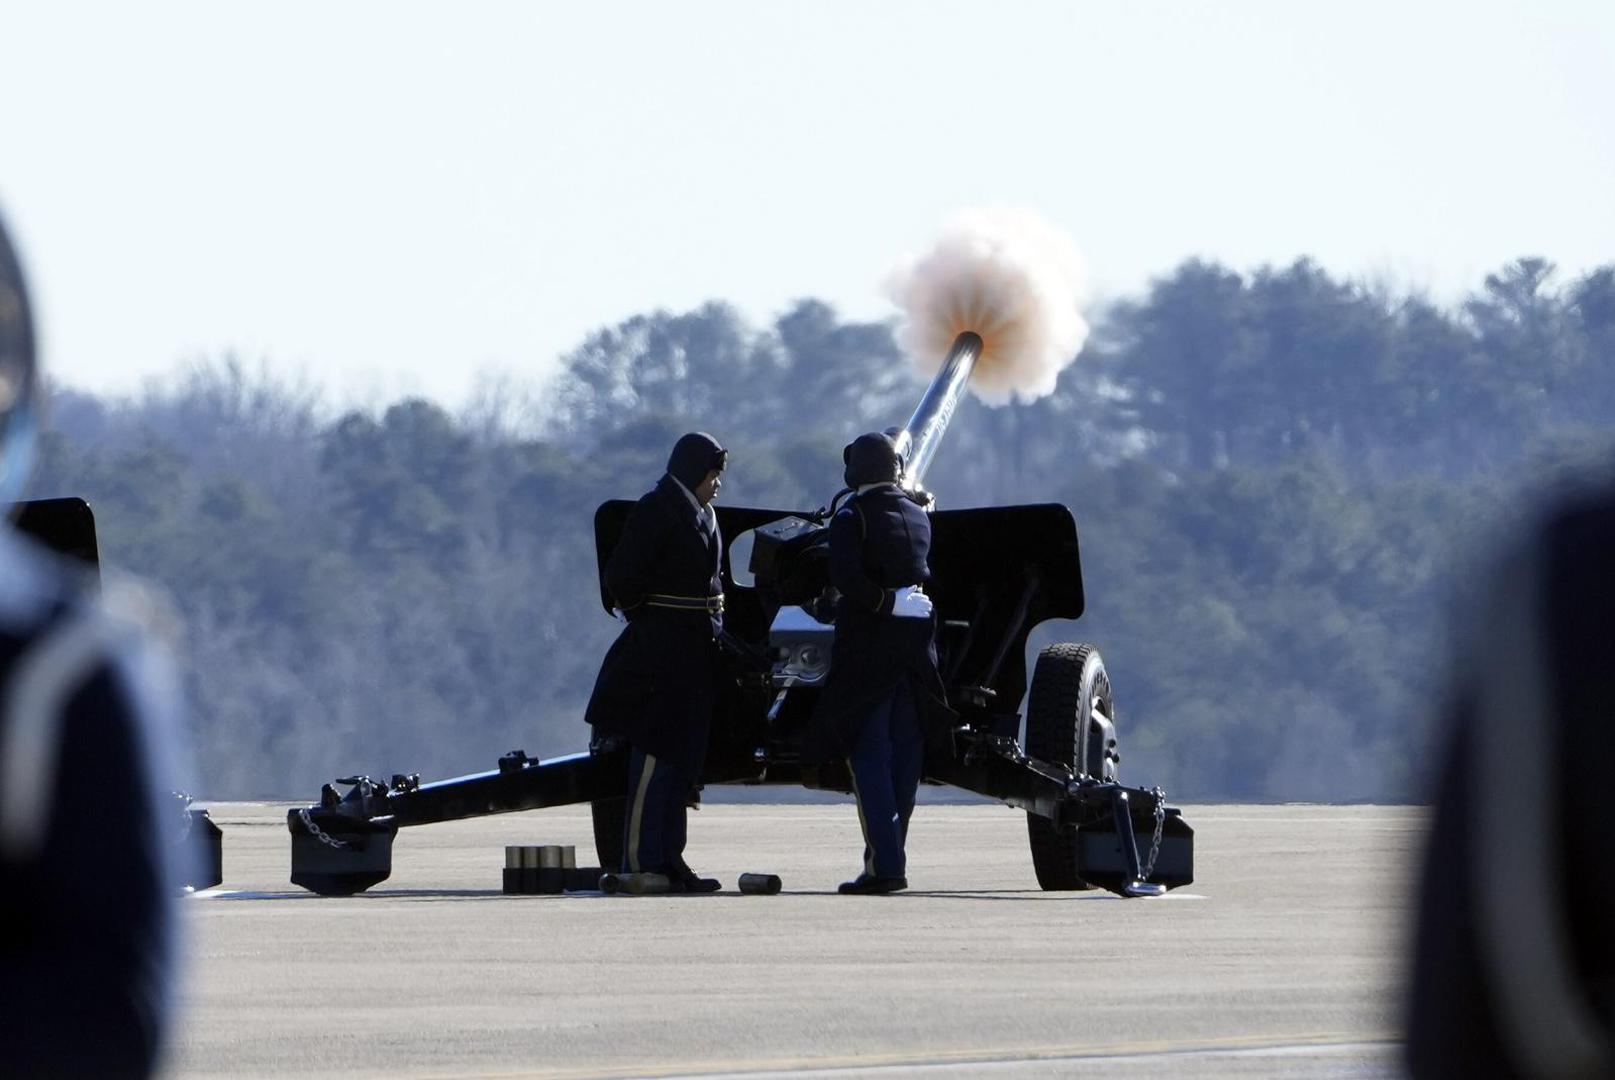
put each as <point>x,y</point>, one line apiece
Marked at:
<point>341,845</point>
<point>1160,823</point>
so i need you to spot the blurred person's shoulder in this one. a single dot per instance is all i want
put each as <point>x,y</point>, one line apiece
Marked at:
<point>59,627</point>
<point>38,589</point>
<point>82,677</point>
<point>1578,532</point>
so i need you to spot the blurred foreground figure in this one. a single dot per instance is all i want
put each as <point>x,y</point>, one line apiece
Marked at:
<point>1514,969</point>
<point>85,883</point>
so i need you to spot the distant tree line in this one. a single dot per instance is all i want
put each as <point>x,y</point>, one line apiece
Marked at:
<point>1278,479</point>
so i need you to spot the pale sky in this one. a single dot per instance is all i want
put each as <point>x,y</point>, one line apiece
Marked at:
<point>393,197</point>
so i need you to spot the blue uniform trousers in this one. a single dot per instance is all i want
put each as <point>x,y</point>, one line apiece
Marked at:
<point>656,825</point>
<point>886,763</point>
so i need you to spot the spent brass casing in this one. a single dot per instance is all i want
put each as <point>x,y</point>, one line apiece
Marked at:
<point>760,884</point>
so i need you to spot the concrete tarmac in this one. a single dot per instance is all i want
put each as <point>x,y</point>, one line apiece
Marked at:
<point>1283,959</point>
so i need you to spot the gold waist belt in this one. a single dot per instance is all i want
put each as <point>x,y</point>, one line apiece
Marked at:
<point>712,605</point>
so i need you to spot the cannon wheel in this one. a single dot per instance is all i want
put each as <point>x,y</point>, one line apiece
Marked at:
<point>608,817</point>
<point>1068,682</point>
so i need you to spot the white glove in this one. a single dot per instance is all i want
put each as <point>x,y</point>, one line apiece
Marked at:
<point>911,603</point>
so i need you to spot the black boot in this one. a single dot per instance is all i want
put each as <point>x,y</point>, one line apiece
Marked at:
<point>686,880</point>
<point>869,885</point>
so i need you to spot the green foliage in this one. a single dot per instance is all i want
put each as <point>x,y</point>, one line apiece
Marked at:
<point>1277,478</point>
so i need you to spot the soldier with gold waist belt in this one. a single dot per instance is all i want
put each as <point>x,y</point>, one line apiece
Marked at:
<point>658,684</point>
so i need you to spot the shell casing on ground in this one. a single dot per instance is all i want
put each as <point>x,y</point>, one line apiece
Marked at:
<point>760,884</point>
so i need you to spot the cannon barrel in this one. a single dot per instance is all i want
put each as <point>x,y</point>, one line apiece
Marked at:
<point>920,438</point>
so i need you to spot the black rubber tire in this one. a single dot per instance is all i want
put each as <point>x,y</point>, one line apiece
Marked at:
<point>609,820</point>
<point>1066,684</point>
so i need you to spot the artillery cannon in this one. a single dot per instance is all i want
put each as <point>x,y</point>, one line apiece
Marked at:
<point>997,572</point>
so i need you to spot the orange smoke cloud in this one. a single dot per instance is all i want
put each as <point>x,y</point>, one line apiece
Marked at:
<point>1011,277</point>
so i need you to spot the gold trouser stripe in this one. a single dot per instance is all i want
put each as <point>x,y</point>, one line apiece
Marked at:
<point>638,813</point>
<point>863,823</point>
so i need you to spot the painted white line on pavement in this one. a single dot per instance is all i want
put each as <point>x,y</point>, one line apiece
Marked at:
<point>1004,1064</point>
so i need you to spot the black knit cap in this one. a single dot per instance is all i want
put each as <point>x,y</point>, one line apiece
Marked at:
<point>872,459</point>
<point>695,455</point>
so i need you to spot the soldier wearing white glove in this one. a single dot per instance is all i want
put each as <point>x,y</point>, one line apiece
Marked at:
<point>883,692</point>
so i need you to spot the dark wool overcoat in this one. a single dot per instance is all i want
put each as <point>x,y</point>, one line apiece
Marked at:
<point>657,685</point>
<point>878,543</point>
